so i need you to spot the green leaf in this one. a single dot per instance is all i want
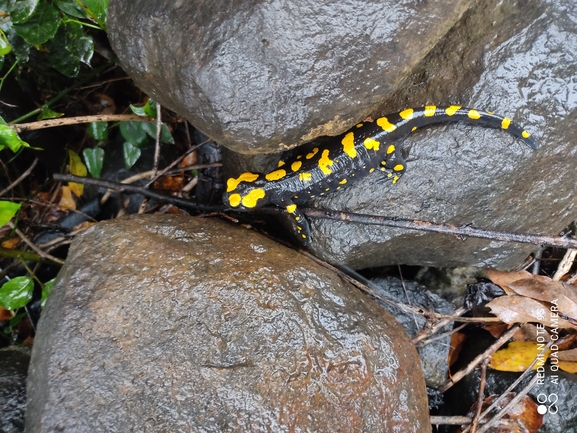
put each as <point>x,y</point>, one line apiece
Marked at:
<point>21,10</point>
<point>16,293</point>
<point>5,46</point>
<point>9,138</point>
<point>98,130</point>
<point>7,211</point>
<point>165,135</point>
<point>148,109</point>
<point>41,26</point>
<point>96,10</point>
<point>71,8</point>
<point>47,113</point>
<point>70,47</point>
<point>94,159</point>
<point>131,154</point>
<point>133,132</point>
<point>46,290</point>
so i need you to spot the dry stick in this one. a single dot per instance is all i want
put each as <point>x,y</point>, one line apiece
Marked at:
<point>486,354</point>
<point>20,179</point>
<point>157,138</point>
<point>426,333</point>
<point>511,387</point>
<point>38,251</point>
<point>466,231</point>
<point>64,121</point>
<point>136,189</point>
<point>450,420</point>
<point>565,265</point>
<point>480,396</point>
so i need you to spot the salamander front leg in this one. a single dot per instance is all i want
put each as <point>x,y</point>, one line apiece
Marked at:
<point>302,228</point>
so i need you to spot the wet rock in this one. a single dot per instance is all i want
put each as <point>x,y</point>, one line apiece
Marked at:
<point>263,76</point>
<point>13,371</point>
<point>172,323</point>
<point>434,356</point>
<point>473,175</point>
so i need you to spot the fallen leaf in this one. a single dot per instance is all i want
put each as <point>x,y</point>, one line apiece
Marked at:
<point>568,366</point>
<point>517,356</point>
<point>503,279</point>
<point>11,243</point>
<point>520,309</point>
<point>67,201</point>
<point>522,417</point>
<point>542,288</point>
<point>568,355</point>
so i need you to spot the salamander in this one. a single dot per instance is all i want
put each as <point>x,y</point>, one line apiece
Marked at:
<point>367,147</point>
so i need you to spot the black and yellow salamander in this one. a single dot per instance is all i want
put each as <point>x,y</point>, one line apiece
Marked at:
<point>368,147</point>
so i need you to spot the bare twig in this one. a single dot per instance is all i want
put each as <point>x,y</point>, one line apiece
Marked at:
<point>466,231</point>
<point>480,358</point>
<point>565,265</point>
<point>65,121</point>
<point>37,250</point>
<point>157,143</point>
<point>20,179</point>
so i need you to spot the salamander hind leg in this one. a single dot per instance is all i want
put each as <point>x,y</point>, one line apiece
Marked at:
<point>302,229</point>
<point>394,164</point>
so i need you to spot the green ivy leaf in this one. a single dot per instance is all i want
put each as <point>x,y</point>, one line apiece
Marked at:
<point>96,10</point>
<point>47,113</point>
<point>94,159</point>
<point>98,130</point>
<point>41,26</point>
<point>71,7</point>
<point>148,109</point>
<point>9,138</point>
<point>16,293</point>
<point>131,154</point>
<point>5,46</point>
<point>46,290</point>
<point>7,211</point>
<point>165,135</point>
<point>21,10</point>
<point>70,47</point>
<point>133,132</point>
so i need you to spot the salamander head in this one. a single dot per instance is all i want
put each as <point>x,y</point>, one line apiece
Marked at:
<point>245,192</point>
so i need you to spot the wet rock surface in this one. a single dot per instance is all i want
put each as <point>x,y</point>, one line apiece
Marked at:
<point>434,356</point>
<point>472,175</point>
<point>172,323</point>
<point>13,371</point>
<point>263,76</point>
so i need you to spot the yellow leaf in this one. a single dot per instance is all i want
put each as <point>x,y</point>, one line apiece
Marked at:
<point>67,202</point>
<point>77,168</point>
<point>568,366</point>
<point>517,356</point>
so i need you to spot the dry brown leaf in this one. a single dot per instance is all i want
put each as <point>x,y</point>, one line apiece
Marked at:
<point>568,355</point>
<point>67,201</point>
<point>11,243</point>
<point>503,279</point>
<point>542,288</point>
<point>522,417</point>
<point>521,309</point>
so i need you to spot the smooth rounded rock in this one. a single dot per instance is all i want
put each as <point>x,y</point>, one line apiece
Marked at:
<point>174,323</point>
<point>262,76</point>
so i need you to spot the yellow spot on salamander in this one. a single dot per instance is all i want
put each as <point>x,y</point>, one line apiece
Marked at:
<point>313,153</point>
<point>295,166</point>
<point>414,129</point>
<point>390,149</point>
<point>474,114</point>
<point>505,123</point>
<point>399,167</point>
<point>406,114</point>
<point>232,183</point>
<point>280,163</point>
<point>342,182</point>
<point>395,179</point>
<point>371,170</point>
<point>430,110</point>
<point>276,175</point>
<point>359,125</point>
<point>234,200</point>
<point>525,134</point>
<point>371,143</point>
<point>250,200</point>
<point>305,177</point>
<point>384,123</point>
<point>348,143</point>
<point>452,110</point>
<point>291,208</point>
<point>325,162</point>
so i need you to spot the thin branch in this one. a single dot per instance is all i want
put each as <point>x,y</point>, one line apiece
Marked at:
<point>38,251</point>
<point>157,142</point>
<point>139,190</point>
<point>20,179</point>
<point>480,358</point>
<point>65,121</point>
<point>467,231</point>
